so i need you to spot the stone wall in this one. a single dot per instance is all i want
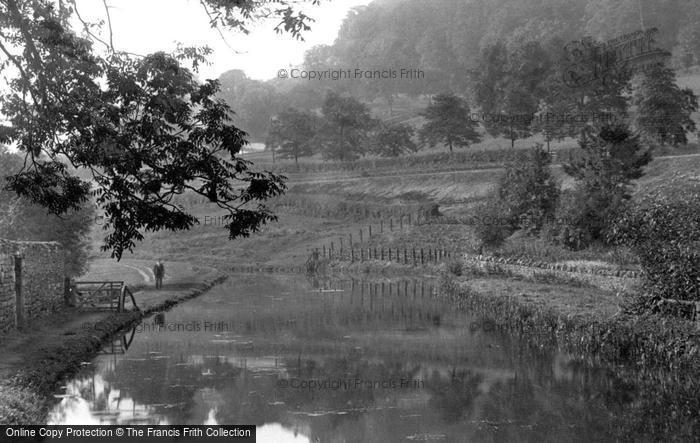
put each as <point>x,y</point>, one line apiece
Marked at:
<point>42,280</point>
<point>604,278</point>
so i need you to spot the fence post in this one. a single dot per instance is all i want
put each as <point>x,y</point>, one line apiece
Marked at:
<point>324,251</point>
<point>405,256</point>
<point>370,236</point>
<point>391,224</point>
<point>401,222</point>
<point>381,226</point>
<point>409,219</point>
<point>362,255</point>
<point>389,254</point>
<point>19,297</point>
<point>66,291</point>
<point>422,261</point>
<point>375,252</point>
<point>352,255</point>
<point>382,254</point>
<point>341,247</point>
<point>350,238</point>
<point>414,256</point>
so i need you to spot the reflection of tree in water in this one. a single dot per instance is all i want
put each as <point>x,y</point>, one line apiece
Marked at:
<point>454,395</point>
<point>168,385</point>
<point>349,368</point>
<point>539,406</point>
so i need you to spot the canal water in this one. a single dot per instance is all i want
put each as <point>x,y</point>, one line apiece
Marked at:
<point>340,361</point>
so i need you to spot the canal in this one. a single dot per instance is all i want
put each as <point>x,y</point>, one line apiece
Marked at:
<point>345,360</point>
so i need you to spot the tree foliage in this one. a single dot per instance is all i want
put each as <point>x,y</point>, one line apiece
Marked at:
<point>448,122</point>
<point>345,132</point>
<point>292,134</point>
<point>665,235</point>
<point>394,140</point>
<point>144,127</point>
<point>608,163</point>
<point>663,109</point>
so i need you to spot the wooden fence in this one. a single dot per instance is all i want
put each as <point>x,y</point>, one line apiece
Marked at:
<point>353,248</point>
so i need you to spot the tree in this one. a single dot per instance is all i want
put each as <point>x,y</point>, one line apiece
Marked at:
<point>394,140</point>
<point>292,132</point>
<point>608,163</point>
<point>663,109</point>
<point>144,127</point>
<point>448,122</point>
<point>509,85</point>
<point>344,134</point>
<point>529,190</point>
<point>548,121</point>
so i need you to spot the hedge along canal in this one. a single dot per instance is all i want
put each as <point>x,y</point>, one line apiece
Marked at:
<point>26,397</point>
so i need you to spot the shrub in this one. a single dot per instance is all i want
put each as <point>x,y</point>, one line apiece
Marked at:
<point>529,191</point>
<point>454,267</point>
<point>492,225</point>
<point>604,169</point>
<point>526,199</point>
<point>666,237</point>
<point>583,217</point>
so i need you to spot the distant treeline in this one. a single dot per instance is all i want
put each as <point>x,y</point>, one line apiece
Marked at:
<point>446,40</point>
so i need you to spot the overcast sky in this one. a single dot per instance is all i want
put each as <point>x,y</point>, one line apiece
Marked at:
<point>144,26</point>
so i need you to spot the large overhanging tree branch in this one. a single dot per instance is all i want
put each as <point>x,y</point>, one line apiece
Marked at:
<point>143,126</point>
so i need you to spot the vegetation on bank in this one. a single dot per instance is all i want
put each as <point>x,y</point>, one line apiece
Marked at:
<point>660,357</point>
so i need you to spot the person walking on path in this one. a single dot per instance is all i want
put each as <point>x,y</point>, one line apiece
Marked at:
<point>159,272</point>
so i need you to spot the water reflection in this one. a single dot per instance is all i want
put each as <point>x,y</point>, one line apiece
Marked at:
<point>340,361</point>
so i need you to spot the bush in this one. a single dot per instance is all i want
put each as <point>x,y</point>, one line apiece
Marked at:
<point>528,191</point>
<point>607,164</point>
<point>666,237</point>
<point>454,267</point>
<point>526,199</point>
<point>492,226</point>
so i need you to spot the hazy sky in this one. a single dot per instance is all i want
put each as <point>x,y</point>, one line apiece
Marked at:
<point>144,26</point>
